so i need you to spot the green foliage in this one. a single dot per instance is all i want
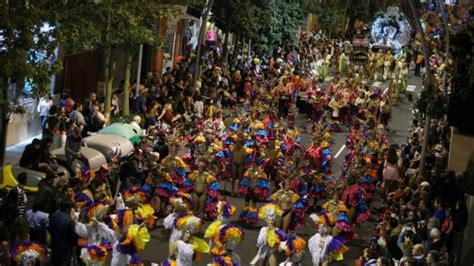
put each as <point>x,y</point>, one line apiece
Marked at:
<point>113,23</point>
<point>279,23</point>
<point>309,6</point>
<point>268,22</point>
<point>27,53</point>
<point>238,16</point>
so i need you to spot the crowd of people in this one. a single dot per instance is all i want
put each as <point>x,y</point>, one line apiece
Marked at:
<point>236,135</point>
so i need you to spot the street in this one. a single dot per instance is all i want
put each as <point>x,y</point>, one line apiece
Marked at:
<point>157,248</point>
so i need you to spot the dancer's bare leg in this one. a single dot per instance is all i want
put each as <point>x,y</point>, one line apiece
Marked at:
<point>286,220</point>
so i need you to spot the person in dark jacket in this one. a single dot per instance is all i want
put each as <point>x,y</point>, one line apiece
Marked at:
<point>33,158</point>
<point>63,236</point>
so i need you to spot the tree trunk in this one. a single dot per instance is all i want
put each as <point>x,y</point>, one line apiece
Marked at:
<point>107,53</point>
<point>3,119</point>
<point>234,48</point>
<point>108,88</point>
<point>428,83</point>
<point>202,32</point>
<point>109,74</point>
<point>225,54</point>
<point>126,87</point>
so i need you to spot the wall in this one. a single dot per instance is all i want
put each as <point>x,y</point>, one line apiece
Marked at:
<point>81,73</point>
<point>21,127</point>
<point>461,150</point>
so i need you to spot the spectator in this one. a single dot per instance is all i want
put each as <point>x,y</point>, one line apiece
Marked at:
<point>115,105</point>
<point>33,158</point>
<point>440,213</point>
<point>38,222</point>
<point>198,106</point>
<point>5,257</point>
<point>391,177</point>
<point>43,200</point>
<point>63,236</point>
<point>43,109</point>
<point>419,254</point>
<point>152,115</point>
<point>68,103</point>
<point>139,102</point>
<point>15,202</point>
<point>136,121</point>
<point>88,105</point>
<point>77,118</point>
<point>438,244</point>
<point>73,146</point>
<point>432,259</point>
<point>98,120</point>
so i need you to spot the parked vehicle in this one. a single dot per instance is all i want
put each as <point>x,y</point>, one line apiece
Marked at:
<point>110,146</point>
<point>123,130</point>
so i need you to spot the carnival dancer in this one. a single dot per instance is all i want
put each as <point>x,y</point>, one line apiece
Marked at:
<point>176,167</point>
<point>181,205</point>
<point>319,102</point>
<point>273,159</point>
<point>238,167</point>
<point>286,199</point>
<point>95,232</point>
<point>336,104</point>
<point>294,248</point>
<point>291,138</point>
<point>387,63</point>
<point>270,237</point>
<point>341,63</point>
<point>335,85</point>
<point>371,65</point>
<point>130,238</point>
<point>325,248</point>
<point>327,57</point>
<point>354,198</point>
<point>189,247</point>
<point>379,65</point>
<point>255,188</point>
<point>225,210</point>
<point>333,207</point>
<point>283,93</point>
<point>165,189</point>
<point>224,237</point>
<point>205,190</point>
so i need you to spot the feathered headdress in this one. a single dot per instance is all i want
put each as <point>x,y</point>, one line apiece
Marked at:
<point>225,209</point>
<point>294,245</point>
<point>28,251</point>
<point>269,212</point>
<point>224,261</point>
<point>94,255</point>
<point>188,223</point>
<point>135,240</point>
<point>145,213</point>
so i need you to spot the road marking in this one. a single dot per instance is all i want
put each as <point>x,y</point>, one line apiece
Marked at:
<point>376,84</point>
<point>340,151</point>
<point>411,88</point>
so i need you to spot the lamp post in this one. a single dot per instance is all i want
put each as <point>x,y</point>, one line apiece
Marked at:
<point>428,83</point>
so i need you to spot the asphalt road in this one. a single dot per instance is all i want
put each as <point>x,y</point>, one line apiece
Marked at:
<point>157,249</point>
<point>400,122</point>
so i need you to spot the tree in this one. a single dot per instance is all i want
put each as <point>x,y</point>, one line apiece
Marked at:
<point>114,26</point>
<point>279,23</point>
<point>27,53</point>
